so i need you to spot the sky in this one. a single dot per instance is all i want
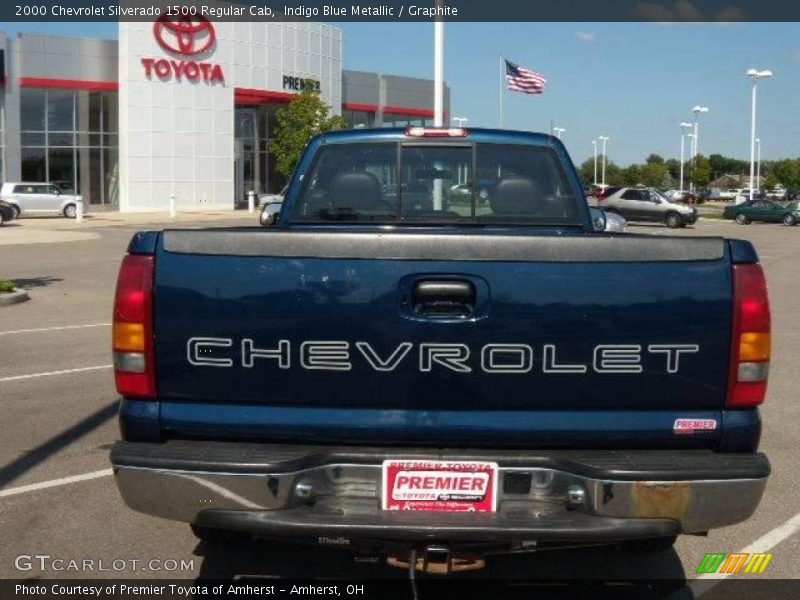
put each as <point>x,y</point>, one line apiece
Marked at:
<point>634,82</point>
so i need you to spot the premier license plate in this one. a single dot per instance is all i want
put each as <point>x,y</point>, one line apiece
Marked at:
<point>447,486</point>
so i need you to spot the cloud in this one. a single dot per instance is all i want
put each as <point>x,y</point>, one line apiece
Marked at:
<point>684,11</point>
<point>586,36</point>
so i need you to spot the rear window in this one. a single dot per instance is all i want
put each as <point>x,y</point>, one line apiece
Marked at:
<point>388,182</point>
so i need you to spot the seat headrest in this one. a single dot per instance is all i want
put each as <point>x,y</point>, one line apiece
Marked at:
<point>357,191</point>
<point>515,195</point>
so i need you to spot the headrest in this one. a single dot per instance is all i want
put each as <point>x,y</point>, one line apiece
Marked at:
<point>515,195</point>
<point>357,191</point>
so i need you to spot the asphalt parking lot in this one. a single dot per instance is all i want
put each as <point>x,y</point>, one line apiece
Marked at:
<point>57,496</point>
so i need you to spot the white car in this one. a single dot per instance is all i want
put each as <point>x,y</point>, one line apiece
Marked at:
<point>38,198</point>
<point>743,195</point>
<point>729,194</point>
<point>269,198</point>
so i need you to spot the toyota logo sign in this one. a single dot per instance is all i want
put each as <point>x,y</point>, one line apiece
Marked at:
<point>185,35</point>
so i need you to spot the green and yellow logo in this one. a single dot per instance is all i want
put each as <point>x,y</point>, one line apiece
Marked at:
<point>737,562</point>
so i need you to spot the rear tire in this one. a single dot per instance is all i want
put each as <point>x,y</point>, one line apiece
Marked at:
<point>70,211</point>
<point>649,545</point>
<point>673,220</point>
<point>742,219</point>
<point>789,221</point>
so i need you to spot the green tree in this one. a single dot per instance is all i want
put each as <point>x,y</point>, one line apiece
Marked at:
<point>673,168</point>
<point>786,172</point>
<point>655,159</point>
<point>304,117</point>
<point>699,171</point>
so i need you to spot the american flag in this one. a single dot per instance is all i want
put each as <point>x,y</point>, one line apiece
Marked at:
<point>524,80</point>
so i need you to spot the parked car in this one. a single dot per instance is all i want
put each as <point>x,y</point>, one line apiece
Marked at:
<point>7,212</point>
<point>384,401</point>
<point>38,198</point>
<point>264,199</point>
<point>744,195</point>
<point>728,194</point>
<point>767,211</point>
<point>615,223</point>
<point>648,204</point>
<point>464,191</point>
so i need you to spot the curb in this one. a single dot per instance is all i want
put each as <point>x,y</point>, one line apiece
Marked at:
<point>13,298</point>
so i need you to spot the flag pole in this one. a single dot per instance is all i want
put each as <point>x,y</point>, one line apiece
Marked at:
<point>502,87</point>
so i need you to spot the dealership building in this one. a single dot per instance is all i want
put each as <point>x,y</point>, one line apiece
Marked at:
<point>184,108</point>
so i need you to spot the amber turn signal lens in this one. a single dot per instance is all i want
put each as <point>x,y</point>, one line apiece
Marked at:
<point>129,337</point>
<point>754,347</point>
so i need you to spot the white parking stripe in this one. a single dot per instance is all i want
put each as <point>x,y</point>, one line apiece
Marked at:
<point>763,544</point>
<point>54,483</point>
<point>49,373</point>
<point>55,328</point>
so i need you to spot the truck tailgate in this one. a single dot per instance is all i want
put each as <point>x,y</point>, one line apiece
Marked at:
<point>332,320</point>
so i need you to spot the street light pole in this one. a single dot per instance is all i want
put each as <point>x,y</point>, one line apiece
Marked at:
<point>695,145</point>
<point>758,163</point>
<point>461,120</point>
<point>604,139</point>
<point>558,131</point>
<point>683,135</point>
<point>754,76</point>
<point>594,144</point>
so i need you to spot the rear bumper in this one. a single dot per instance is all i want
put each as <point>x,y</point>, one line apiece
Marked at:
<point>315,492</point>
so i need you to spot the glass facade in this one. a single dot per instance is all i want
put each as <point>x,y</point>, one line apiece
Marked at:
<point>70,138</point>
<point>255,163</point>
<point>392,120</point>
<point>357,119</point>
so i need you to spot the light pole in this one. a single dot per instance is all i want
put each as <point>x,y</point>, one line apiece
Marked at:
<point>594,144</point>
<point>758,163</point>
<point>558,131</point>
<point>754,75</point>
<point>684,126</point>
<point>695,146</point>
<point>604,139</point>
<point>461,120</point>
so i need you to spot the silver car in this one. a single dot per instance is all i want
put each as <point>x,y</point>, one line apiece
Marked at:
<point>647,204</point>
<point>38,198</point>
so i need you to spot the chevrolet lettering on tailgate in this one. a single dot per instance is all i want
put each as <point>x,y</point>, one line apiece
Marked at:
<point>492,358</point>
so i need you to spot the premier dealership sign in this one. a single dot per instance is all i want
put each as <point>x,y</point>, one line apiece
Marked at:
<point>189,39</point>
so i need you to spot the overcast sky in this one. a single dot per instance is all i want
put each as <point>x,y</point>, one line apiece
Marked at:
<point>632,81</point>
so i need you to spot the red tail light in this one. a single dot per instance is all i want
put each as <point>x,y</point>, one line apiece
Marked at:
<point>134,366</point>
<point>750,341</point>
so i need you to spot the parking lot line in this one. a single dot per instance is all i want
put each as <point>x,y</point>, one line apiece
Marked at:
<point>763,544</point>
<point>55,328</point>
<point>54,483</point>
<point>49,373</point>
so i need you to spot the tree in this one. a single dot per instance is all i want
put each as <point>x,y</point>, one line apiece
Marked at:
<point>655,159</point>
<point>304,117</point>
<point>699,170</point>
<point>786,172</point>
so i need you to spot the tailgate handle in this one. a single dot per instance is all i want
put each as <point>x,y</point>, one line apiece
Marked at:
<point>444,298</point>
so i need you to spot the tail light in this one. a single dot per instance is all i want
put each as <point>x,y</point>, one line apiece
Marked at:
<point>750,342</point>
<point>438,132</point>
<point>134,367</point>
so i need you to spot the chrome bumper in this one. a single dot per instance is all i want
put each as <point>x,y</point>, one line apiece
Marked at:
<point>336,497</point>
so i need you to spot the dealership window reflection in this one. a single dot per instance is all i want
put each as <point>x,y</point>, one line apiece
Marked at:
<point>70,138</point>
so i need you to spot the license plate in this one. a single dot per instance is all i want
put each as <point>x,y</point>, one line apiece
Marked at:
<point>445,486</point>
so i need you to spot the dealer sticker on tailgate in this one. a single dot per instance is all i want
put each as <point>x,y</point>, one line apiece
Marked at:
<point>450,486</point>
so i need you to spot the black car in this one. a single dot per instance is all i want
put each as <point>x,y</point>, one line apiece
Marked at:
<point>7,212</point>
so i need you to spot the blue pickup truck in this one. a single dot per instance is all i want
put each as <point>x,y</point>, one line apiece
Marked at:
<point>395,366</point>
